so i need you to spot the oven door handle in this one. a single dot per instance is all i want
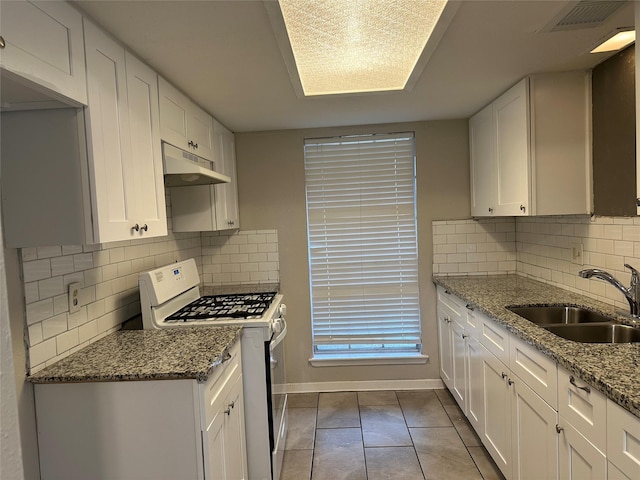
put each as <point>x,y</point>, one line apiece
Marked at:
<point>276,341</point>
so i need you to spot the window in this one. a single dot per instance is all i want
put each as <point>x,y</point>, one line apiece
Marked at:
<point>363,256</point>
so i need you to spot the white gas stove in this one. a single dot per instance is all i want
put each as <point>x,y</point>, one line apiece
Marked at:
<point>170,298</point>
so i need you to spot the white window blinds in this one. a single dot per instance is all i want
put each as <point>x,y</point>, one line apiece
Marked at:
<point>363,244</point>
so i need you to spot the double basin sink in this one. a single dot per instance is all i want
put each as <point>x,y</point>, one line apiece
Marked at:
<point>578,324</point>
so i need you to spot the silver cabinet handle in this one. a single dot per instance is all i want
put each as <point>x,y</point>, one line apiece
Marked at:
<point>504,375</point>
<point>136,227</point>
<point>522,208</point>
<point>510,382</point>
<point>572,381</point>
<point>469,307</point>
<point>144,227</point>
<point>490,210</point>
<point>465,336</point>
<point>559,428</point>
<point>227,411</point>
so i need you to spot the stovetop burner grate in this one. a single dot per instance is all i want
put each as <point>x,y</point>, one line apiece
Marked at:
<point>239,306</point>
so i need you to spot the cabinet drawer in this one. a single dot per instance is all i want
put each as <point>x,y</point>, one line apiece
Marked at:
<point>584,407</point>
<point>623,440</point>
<point>450,300</point>
<point>536,369</point>
<point>494,338</point>
<point>221,380</point>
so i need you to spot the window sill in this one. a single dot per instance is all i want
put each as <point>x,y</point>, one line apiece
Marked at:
<point>337,360</point>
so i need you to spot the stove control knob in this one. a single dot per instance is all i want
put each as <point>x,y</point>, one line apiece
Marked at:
<point>282,310</point>
<point>277,325</point>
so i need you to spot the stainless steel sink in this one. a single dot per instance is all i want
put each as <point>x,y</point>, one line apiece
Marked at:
<point>578,324</point>
<point>597,333</point>
<point>559,314</point>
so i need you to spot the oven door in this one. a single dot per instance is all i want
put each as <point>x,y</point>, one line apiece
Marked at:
<point>278,400</point>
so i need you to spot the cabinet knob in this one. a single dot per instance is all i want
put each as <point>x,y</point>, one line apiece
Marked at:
<point>144,227</point>
<point>469,307</point>
<point>490,210</point>
<point>192,144</point>
<point>510,382</point>
<point>504,375</point>
<point>232,404</point>
<point>2,44</point>
<point>227,411</point>
<point>465,335</point>
<point>559,428</point>
<point>136,227</point>
<point>522,208</point>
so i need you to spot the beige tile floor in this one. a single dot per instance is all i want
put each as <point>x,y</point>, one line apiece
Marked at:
<point>390,435</point>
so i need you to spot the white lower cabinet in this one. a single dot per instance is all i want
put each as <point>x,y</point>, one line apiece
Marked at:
<point>534,439</point>
<point>155,429</point>
<point>536,420</point>
<point>623,442</point>
<point>578,458</point>
<point>497,408</point>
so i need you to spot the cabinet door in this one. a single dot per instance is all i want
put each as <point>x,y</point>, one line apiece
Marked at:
<point>200,132</point>
<point>483,164</point>
<point>511,111</point>
<point>215,448</point>
<point>623,440</point>
<point>174,113</point>
<point>535,445</point>
<point>497,411</point>
<point>226,193</point>
<point>578,458</point>
<point>475,385</point>
<point>445,352</point>
<point>234,434</point>
<point>44,44</point>
<point>108,136</point>
<point>459,379</point>
<point>144,122</point>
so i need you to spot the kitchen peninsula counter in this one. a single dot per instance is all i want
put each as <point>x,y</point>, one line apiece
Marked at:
<point>165,354</point>
<point>613,369</point>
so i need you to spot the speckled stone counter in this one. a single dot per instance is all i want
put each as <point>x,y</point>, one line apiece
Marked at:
<point>240,288</point>
<point>614,369</point>
<point>174,353</point>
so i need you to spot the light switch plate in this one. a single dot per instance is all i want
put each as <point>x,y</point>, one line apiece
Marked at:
<point>577,253</point>
<point>74,297</point>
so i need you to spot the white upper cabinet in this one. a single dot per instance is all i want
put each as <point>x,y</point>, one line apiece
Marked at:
<point>183,123</point>
<point>125,162</point>
<point>206,208</point>
<point>483,166</point>
<point>43,46</point>
<point>226,194</point>
<point>530,149</point>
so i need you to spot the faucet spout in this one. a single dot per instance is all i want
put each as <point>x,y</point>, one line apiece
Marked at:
<point>632,294</point>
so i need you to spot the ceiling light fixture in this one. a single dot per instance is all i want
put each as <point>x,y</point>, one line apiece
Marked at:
<point>617,41</point>
<point>347,46</point>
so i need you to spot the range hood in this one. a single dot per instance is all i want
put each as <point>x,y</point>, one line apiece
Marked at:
<point>182,168</point>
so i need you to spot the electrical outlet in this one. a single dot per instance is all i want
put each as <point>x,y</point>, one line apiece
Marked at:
<point>74,297</point>
<point>577,253</point>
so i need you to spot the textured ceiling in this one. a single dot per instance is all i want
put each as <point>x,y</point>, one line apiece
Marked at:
<point>224,55</point>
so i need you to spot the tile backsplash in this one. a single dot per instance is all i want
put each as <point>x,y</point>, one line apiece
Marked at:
<point>474,247</point>
<point>108,275</point>
<point>543,248</point>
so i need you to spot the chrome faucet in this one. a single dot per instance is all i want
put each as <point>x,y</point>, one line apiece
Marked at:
<point>632,294</point>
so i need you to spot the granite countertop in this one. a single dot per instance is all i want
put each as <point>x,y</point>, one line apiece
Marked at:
<point>613,369</point>
<point>171,353</point>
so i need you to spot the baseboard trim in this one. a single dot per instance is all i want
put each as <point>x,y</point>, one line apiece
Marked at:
<point>366,385</point>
